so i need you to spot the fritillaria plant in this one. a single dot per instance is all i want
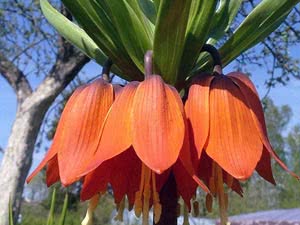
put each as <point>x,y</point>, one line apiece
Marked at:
<point>178,118</point>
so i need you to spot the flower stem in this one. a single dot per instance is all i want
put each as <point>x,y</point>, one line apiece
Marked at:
<point>106,69</point>
<point>148,63</point>
<point>168,200</point>
<point>215,56</point>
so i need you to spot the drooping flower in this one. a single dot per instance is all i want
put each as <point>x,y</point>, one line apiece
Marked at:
<point>149,118</point>
<point>228,130</point>
<point>227,123</point>
<point>78,132</point>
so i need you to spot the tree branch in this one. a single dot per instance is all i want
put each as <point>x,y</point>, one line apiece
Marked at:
<point>15,77</point>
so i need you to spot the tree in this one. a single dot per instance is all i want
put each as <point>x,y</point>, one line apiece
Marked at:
<point>290,189</point>
<point>29,48</point>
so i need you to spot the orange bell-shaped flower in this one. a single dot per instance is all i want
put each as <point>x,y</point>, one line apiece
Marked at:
<point>78,132</point>
<point>147,116</point>
<point>228,124</point>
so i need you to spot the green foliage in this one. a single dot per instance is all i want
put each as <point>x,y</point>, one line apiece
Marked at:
<point>123,30</point>
<point>64,211</point>
<point>169,38</point>
<point>36,213</point>
<point>79,38</point>
<point>10,216</point>
<point>50,220</point>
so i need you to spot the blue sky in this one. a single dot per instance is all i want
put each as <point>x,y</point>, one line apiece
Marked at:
<point>289,94</point>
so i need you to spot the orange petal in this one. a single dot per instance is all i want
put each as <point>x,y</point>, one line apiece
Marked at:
<point>236,187</point>
<point>184,167</point>
<point>251,95</point>
<point>79,129</point>
<point>264,168</point>
<point>125,175</point>
<point>55,145</point>
<point>233,139</point>
<point>116,132</point>
<point>197,110</point>
<point>186,185</point>
<point>49,155</point>
<point>187,163</point>
<point>157,126</point>
<point>122,172</point>
<point>95,182</point>
<point>52,172</point>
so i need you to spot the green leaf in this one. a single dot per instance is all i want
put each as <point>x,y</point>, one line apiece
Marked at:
<point>156,3</point>
<point>148,8</point>
<point>223,18</point>
<point>64,210</point>
<point>133,29</point>
<point>169,37</point>
<point>95,19</point>
<point>262,21</point>
<point>74,34</point>
<point>50,220</point>
<point>198,28</point>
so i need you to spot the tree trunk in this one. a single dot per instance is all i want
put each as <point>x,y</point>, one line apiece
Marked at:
<point>168,200</point>
<point>18,157</point>
<point>32,108</point>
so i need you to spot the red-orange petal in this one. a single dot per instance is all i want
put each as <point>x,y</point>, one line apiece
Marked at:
<point>184,167</point>
<point>123,172</point>
<point>52,172</point>
<point>251,95</point>
<point>186,185</point>
<point>79,129</point>
<point>95,182</point>
<point>197,110</point>
<point>157,124</point>
<point>55,145</point>
<point>233,140</point>
<point>264,168</point>
<point>116,134</point>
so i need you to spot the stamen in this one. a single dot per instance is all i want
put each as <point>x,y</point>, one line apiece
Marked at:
<point>212,183</point>
<point>138,195</point>
<point>121,208</point>
<point>88,219</point>
<point>196,208</point>
<point>156,204</point>
<point>209,202</point>
<point>146,195</point>
<point>221,196</point>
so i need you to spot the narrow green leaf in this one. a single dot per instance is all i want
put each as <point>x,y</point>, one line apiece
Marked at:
<point>64,211</point>
<point>148,8</point>
<point>135,35</point>
<point>95,19</point>
<point>10,213</point>
<point>223,18</point>
<point>50,220</point>
<point>74,34</point>
<point>156,3</point>
<point>169,37</point>
<point>198,28</point>
<point>262,21</point>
